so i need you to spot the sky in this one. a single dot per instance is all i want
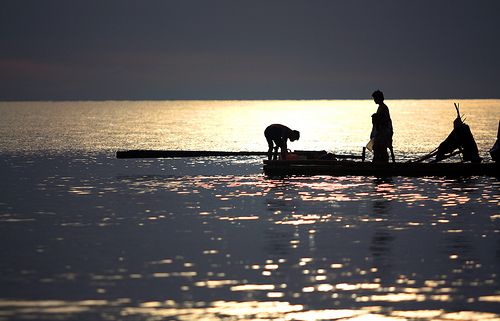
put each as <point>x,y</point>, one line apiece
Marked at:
<point>258,49</point>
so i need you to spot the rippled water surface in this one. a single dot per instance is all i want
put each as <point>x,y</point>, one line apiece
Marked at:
<point>85,236</point>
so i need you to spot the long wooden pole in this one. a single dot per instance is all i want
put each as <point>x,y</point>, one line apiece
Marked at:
<point>137,153</point>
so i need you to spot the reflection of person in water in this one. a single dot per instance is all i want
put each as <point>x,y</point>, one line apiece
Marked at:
<point>277,136</point>
<point>383,236</point>
<point>381,130</point>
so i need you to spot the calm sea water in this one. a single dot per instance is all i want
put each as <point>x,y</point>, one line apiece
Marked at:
<point>85,236</point>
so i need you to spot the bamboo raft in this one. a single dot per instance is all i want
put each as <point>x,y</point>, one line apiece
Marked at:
<point>309,167</point>
<point>308,163</point>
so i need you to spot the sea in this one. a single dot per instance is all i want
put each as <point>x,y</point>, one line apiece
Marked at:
<point>87,236</point>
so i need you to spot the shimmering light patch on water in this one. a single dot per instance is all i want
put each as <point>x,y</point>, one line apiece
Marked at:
<point>23,309</point>
<point>246,310</point>
<point>490,298</point>
<point>233,310</point>
<point>253,287</point>
<point>239,218</point>
<point>298,219</point>
<point>277,310</point>
<point>212,284</point>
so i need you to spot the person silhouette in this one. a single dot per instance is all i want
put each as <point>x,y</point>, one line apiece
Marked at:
<point>277,136</point>
<point>460,138</point>
<point>381,130</point>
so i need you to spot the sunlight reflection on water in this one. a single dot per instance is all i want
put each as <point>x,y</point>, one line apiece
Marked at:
<point>96,238</point>
<point>229,310</point>
<point>341,126</point>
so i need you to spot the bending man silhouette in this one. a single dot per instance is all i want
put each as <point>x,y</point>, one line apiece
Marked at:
<point>381,130</point>
<point>277,136</point>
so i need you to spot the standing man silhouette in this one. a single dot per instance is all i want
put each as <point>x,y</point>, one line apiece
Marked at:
<point>381,130</point>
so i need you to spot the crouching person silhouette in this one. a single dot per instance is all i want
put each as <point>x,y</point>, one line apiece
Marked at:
<point>277,136</point>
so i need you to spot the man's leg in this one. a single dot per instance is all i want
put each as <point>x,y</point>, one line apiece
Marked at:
<point>270,149</point>
<point>275,155</point>
<point>392,154</point>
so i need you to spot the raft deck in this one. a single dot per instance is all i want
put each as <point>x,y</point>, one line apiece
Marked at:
<point>341,168</point>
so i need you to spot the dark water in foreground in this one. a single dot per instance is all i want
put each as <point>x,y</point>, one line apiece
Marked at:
<point>90,237</point>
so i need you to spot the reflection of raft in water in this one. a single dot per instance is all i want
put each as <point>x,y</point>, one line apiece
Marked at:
<point>348,167</point>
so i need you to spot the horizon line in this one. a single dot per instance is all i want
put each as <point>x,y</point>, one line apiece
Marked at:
<point>231,99</point>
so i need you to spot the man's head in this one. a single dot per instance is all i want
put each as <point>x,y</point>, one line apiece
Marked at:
<point>378,97</point>
<point>295,135</point>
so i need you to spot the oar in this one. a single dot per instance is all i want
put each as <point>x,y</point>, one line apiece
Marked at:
<point>424,157</point>
<point>457,152</point>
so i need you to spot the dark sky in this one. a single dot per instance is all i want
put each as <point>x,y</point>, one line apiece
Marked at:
<point>260,49</point>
